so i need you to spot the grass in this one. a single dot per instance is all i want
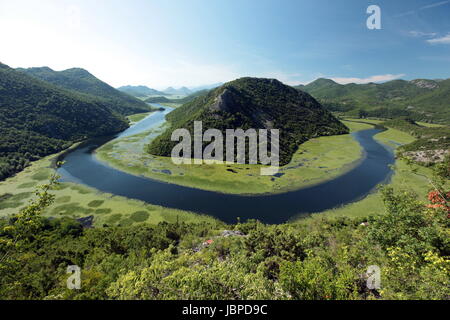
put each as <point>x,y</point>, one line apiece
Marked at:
<point>74,200</point>
<point>317,160</point>
<point>430,125</point>
<point>137,117</point>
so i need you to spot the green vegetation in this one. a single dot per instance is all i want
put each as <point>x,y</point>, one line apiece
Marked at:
<point>137,117</point>
<point>38,118</point>
<point>82,81</point>
<point>423,100</point>
<point>315,161</point>
<point>254,103</point>
<point>404,178</point>
<point>324,259</point>
<point>179,101</point>
<point>136,250</point>
<point>431,145</point>
<point>140,91</point>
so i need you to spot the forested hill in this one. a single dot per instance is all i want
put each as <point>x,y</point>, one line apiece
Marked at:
<point>162,99</point>
<point>420,99</point>
<point>82,81</point>
<point>254,103</point>
<point>140,91</point>
<point>38,118</point>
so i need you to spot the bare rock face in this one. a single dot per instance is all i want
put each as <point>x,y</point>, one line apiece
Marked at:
<point>425,84</point>
<point>430,156</point>
<point>223,102</point>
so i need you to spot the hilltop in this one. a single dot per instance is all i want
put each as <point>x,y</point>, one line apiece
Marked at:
<point>38,119</point>
<point>420,99</point>
<point>82,81</point>
<point>140,91</point>
<point>180,91</point>
<point>254,103</point>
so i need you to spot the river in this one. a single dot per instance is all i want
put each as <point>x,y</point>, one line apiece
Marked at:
<point>82,167</point>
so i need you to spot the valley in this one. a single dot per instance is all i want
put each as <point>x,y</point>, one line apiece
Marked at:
<point>207,152</point>
<point>316,162</point>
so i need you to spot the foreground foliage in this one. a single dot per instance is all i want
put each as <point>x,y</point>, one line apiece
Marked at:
<point>320,259</point>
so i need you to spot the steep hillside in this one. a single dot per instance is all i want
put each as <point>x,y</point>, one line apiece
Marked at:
<point>82,81</point>
<point>254,103</point>
<point>38,118</point>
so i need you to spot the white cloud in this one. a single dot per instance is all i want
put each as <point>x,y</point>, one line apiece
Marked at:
<point>433,5</point>
<point>422,34</point>
<point>441,40</point>
<point>376,78</point>
<point>426,7</point>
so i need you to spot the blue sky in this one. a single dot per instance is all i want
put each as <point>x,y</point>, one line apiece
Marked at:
<point>196,42</point>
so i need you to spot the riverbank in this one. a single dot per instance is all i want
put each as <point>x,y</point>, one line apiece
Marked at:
<point>318,160</point>
<point>403,179</point>
<point>77,201</point>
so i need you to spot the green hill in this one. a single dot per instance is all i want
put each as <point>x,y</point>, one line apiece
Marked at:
<point>159,99</point>
<point>254,103</point>
<point>38,118</point>
<point>82,81</point>
<point>140,91</point>
<point>186,99</point>
<point>421,99</point>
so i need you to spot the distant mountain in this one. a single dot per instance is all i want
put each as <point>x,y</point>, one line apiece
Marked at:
<point>140,91</point>
<point>183,100</point>
<point>82,81</point>
<point>179,91</point>
<point>206,87</point>
<point>254,103</point>
<point>38,118</point>
<point>420,99</point>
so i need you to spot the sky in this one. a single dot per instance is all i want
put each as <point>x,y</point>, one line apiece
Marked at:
<point>197,42</point>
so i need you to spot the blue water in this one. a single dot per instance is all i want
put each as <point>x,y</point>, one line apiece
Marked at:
<point>81,167</point>
<point>151,121</point>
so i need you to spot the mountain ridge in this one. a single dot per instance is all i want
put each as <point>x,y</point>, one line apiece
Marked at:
<point>82,81</point>
<point>421,99</point>
<point>38,118</point>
